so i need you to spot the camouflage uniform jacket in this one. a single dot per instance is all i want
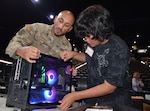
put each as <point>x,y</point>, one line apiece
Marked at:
<point>38,35</point>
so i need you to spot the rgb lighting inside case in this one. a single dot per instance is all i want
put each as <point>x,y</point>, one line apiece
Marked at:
<point>50,81</point>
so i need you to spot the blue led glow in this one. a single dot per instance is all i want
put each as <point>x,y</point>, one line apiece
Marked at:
<point>52,77</point>
<point>50,94</point>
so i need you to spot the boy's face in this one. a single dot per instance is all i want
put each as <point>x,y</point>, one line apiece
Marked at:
<point>92,42</point>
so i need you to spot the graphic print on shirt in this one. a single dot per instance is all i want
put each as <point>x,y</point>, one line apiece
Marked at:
<point>102,62</point>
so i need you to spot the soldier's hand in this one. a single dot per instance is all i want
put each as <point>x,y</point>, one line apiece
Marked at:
<point>66,55</point>
<point>29,53</point>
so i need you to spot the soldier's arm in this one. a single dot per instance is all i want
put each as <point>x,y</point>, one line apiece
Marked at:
<point>22,38</point>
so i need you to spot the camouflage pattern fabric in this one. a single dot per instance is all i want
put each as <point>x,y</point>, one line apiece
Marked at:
<point>38,35</point>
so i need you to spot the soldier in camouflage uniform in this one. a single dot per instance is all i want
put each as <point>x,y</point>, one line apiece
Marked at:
<point>37,38</point>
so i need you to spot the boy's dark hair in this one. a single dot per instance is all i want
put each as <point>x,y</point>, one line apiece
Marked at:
<point>95,20</point>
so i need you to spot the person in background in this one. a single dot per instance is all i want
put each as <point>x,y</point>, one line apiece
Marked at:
<point>137,83</point>
<point>34,39</point>
<point>107,57</point>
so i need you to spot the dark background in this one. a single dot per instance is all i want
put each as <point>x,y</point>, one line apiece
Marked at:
<point>130,18</point>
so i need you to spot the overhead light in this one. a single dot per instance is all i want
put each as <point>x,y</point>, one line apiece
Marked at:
<point>137,35</point>
<point>35,1</point>
<point>50,17</point>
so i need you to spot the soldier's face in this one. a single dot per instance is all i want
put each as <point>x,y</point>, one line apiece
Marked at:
<point>63,24</point>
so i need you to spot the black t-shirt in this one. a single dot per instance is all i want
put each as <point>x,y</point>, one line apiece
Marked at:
<point>110,62</point>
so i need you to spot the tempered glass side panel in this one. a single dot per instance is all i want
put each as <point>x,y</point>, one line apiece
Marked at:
<point>50,81</point>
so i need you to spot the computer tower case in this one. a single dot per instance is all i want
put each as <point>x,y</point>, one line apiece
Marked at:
<point>39,85</point>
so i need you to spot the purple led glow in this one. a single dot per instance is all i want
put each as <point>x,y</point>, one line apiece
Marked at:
<point>52,77</point>
<point>68,68</point>
<point>50,94</point>
<point>35,75</point>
